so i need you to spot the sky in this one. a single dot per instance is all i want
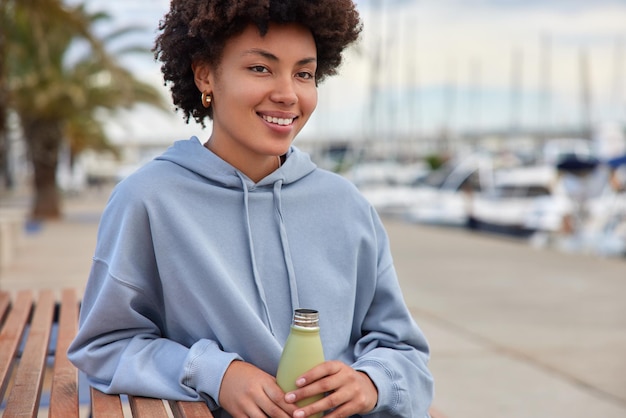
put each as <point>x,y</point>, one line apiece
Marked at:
<point>425,66</point>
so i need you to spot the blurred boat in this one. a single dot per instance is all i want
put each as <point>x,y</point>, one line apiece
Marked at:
<point>566,200</point>
<point>446,195</point>
<point>388,185</point>
<point>585,213</point>
<point>507,206</point>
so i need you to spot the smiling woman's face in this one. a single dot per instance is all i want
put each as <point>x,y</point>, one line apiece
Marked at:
<point>263,91</point>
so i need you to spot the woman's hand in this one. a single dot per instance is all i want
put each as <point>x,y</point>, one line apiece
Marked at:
<point>248,391</point>
<point>349,392</point>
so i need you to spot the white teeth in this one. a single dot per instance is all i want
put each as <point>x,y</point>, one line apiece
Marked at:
<point>278,121</point>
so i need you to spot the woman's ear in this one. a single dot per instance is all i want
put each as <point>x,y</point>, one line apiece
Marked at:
<point>201,72</point>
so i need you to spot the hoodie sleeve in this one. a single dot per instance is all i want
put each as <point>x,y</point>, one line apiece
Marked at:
<point>393,350</point>
<point>122,344</point>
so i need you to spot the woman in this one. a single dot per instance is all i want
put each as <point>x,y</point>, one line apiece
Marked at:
<point>204,253</point>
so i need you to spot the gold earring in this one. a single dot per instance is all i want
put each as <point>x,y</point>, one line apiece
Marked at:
<point>206,99</point>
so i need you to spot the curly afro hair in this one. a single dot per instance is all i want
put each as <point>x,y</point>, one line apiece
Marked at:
<point>198,29</point>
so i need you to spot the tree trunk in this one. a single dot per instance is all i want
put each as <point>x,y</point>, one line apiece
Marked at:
<point>5,175</point>
<point>44,139</point>
<point>4,149</point>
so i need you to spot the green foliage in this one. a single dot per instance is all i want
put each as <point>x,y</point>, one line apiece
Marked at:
<point>434,161</point>
<point>42,83</point>
<point>46,88</point>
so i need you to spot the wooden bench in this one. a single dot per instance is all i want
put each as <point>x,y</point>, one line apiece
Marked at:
<point>26,326</point>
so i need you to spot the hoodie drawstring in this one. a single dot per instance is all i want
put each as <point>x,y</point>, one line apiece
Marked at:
<point>255,271</point>
<point>293,288</point>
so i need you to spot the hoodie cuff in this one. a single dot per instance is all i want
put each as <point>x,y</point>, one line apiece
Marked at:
<point>204,370</point>
<point>387,391</point>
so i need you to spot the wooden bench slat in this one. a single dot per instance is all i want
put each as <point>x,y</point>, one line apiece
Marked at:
<point>105,406</point>
<point>64,391</point>
<point>26,391</point>
<point>11,335</point>
<point>190,409</point>
<point>147,407</point>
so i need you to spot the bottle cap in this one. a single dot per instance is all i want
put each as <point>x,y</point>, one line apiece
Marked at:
<point>306,318</point>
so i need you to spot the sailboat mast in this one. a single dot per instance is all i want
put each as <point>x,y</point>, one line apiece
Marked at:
<point>585,94</point>
<point>544,118</point>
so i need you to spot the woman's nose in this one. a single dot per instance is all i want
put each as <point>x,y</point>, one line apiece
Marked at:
<point>284,91</point>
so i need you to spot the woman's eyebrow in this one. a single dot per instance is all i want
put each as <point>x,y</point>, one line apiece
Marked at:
<point>268,55</point>
<point>261,52</point>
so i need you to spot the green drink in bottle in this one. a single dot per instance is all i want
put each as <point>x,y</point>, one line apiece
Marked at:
<point>303,351</point>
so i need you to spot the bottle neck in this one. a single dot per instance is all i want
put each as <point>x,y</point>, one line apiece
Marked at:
<point>305,329</point>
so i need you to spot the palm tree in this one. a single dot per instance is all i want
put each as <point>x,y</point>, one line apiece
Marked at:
<point>59,101</point>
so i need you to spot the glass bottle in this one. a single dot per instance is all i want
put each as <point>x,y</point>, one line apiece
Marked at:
<point>303,351</point>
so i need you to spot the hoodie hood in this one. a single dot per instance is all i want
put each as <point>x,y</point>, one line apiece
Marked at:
<point>192,155</point>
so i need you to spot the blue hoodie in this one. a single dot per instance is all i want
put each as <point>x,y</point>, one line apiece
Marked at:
<point>196,266</point>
